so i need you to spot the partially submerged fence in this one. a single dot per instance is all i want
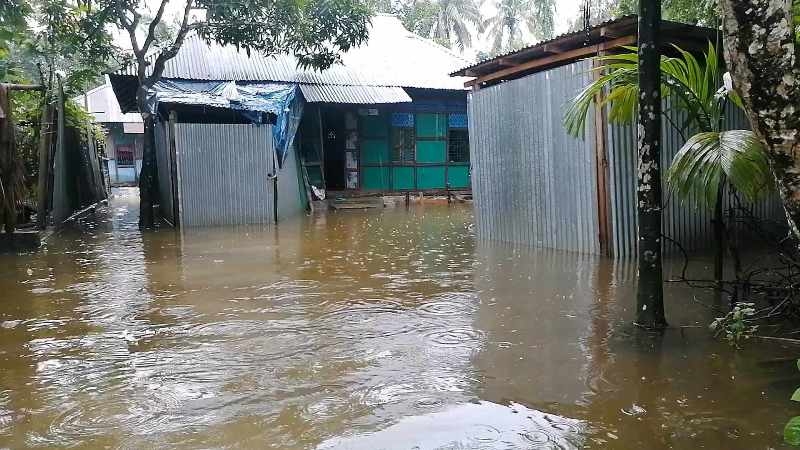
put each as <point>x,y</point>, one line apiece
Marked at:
<point>68,168</point>
<point>536,185</point>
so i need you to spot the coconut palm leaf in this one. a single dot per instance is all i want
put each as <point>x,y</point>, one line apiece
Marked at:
<point>707,158</point>
<point>691,84</point>
<point>451,20</point>
<point>506,27</point>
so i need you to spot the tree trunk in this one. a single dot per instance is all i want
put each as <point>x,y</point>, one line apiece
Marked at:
<point>650,293</point>
<point>760,54</point>
<point>147,177</point>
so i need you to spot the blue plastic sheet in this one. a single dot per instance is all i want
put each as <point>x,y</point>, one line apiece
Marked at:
<point>254,101</point>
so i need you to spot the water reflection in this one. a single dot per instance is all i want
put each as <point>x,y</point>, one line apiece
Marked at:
<point>376,329</point>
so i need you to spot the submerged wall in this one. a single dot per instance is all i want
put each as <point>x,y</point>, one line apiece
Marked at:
<point>223,174</point>
<point>532,183</point>
<point>683,221</point>
<point>535,185</point>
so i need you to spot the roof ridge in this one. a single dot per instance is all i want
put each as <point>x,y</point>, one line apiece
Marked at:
<point>437,45</point>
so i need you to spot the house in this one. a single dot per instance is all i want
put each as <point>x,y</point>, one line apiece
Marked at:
<point>388,119</point>
<point>534,184</point>
<point>123,137</point>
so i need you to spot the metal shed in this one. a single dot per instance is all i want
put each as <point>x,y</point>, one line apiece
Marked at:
<point>536,185</point>
<point>224,174</point>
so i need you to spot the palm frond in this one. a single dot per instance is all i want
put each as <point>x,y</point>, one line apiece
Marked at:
<point>707,157</point>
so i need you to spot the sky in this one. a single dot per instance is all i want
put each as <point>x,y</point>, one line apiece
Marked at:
<point>566,11</point>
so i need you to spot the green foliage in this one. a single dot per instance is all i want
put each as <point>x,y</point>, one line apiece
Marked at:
<point>452,22</point>
<point>696,12</point>
<point>56,36</point>
<point>448,22</point>
<point>710,157</point>
<point>315,31</point>
<point>736,325</point>
<point>791,432</point>
<point>505,28</point>
<point>796,20</point>
<point>707,158</point>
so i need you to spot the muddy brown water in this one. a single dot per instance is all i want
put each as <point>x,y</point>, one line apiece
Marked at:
<point>359,330</point>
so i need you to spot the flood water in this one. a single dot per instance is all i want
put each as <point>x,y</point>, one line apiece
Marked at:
<point>366,330</point>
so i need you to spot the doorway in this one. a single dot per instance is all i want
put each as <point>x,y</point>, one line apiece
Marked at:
<point>334,134</point>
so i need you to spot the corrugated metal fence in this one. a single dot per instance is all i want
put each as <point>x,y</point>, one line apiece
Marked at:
<point>223,173</point>
<point>532,182</point>
<point>164,165</point>
<point>683,221</point>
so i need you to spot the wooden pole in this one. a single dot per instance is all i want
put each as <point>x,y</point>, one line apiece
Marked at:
<point>173,164</point>
<point>45,140</point>
<point>22,87</point>
<point>601,168</point>
<point>650,292</point>
<point>8,214</point>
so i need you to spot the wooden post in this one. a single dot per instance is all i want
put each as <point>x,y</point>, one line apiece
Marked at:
<point>650,292</point>
<point>321,148</point>
<point>45,141</point>
<point>8,213</point>
<point>22,87</point>
<point>97,188</point>
<point>601,169</point>
<point>719,234</point>
<point>173,158</point>
<point>61,202</point>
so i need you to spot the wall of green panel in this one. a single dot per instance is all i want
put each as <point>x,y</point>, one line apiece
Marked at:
<point>374,151</point>
<point>402,178</point>
<point>374,126</point>
<point>431,125</point>
<point>458,177</point>
<point>375,178</point>
<point>430,177</point>
<point>431,151</point>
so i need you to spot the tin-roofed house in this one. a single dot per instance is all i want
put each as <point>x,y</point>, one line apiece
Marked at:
<point>536,185</point>
<point>389,118</point>
<point>123,137</point>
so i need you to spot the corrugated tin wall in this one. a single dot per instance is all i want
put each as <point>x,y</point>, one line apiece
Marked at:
<point>533,183</point>
<point>290,194</point>
<point>682,221</point>
<point>222,173</point>
<point>164,165</point>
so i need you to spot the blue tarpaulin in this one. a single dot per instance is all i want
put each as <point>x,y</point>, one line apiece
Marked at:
<point>254,101</point>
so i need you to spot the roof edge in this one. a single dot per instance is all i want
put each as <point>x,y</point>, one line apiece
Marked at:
<point>609,33</point>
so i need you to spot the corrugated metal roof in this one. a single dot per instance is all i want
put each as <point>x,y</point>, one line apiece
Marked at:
<point>359,95</point>
<point>392,56</point>
<point>560,37</point>
<point>103,105</point>
<point>595,34</point>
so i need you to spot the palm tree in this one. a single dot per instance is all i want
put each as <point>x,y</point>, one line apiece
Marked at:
<point>507,28</point>
<point>713,157</point>
<point>452,20</point>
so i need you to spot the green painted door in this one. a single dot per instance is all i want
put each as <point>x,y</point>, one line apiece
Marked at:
<point>374,132</point>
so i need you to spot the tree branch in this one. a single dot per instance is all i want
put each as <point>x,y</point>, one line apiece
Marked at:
<point>151,29</point>
<point>169,53</point>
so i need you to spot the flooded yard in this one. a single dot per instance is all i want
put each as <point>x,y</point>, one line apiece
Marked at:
<point>366,330</point>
